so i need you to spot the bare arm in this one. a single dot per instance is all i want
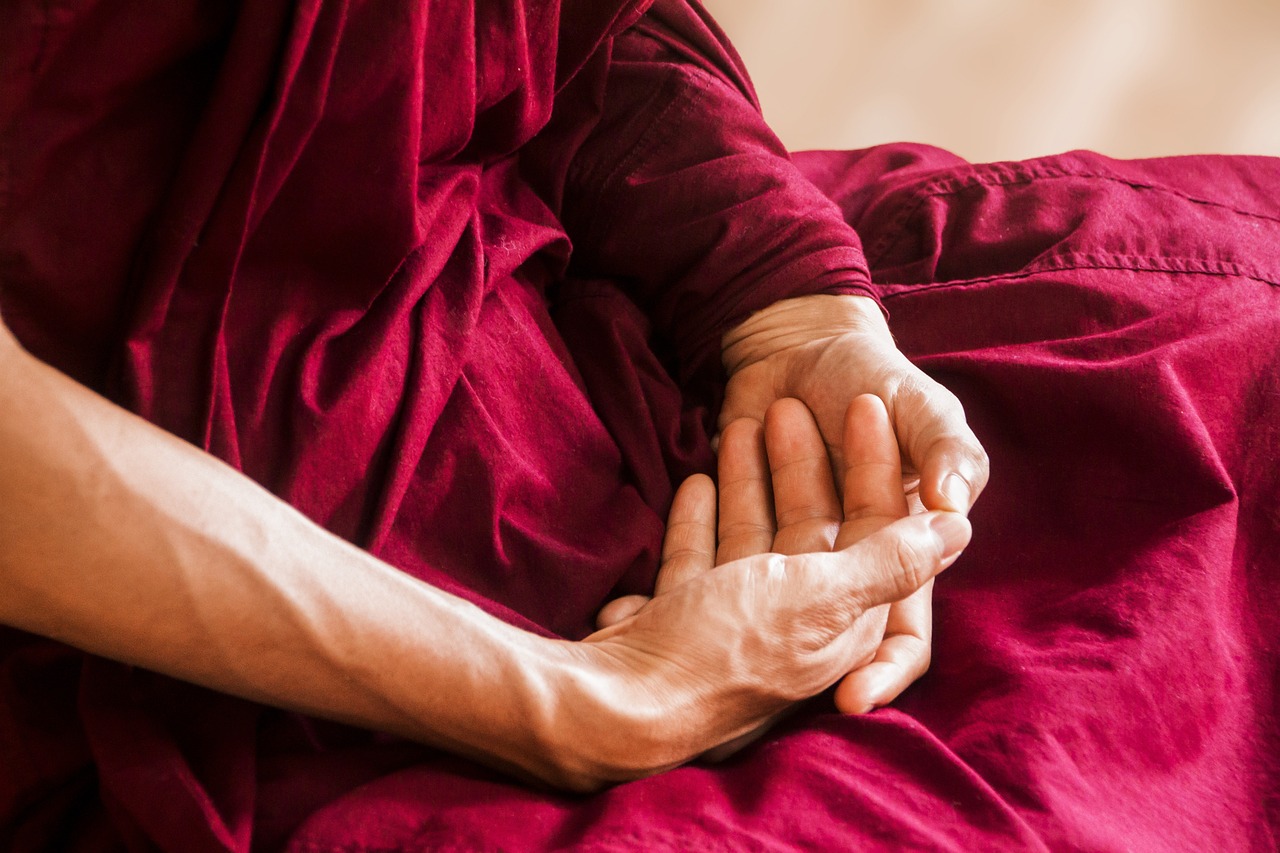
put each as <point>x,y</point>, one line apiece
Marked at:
<point>125,541</point>
<point>129,543</point>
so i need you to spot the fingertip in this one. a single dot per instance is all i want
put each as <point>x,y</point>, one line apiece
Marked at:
<point>784,407</point>
<point>956,494</point>
<point>953,476</point>
<point>853,707</point>
<point>953,531</point>
<point>866,422</point>
<point>694,501</point>
<point>741,433</point>
<point>620,609</point>
<point>698,483</point>
<point>866,405</point>
<point>853,696</point>
<point>786,422</point>
<point>872,687</point>
<point>943,487</point>
<point>854,710</point>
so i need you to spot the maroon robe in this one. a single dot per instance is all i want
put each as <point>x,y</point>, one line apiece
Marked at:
<point>451,280</point>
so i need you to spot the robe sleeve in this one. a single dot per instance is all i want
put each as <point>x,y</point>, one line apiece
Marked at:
<point>682,193</point>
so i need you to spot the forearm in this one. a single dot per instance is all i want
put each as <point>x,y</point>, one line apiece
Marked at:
<point>122,540</point>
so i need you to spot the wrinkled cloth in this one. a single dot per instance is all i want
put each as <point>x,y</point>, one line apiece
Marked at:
<point>450,278</point>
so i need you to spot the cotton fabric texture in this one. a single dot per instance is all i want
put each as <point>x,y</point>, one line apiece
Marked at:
<point>451,277</point>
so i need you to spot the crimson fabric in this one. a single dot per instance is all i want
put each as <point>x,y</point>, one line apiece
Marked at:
<point>450,278</point>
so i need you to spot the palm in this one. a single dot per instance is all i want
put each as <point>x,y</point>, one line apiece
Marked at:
<point>826,350</point>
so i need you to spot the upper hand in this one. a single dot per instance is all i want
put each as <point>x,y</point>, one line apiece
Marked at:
<point>827,350</point>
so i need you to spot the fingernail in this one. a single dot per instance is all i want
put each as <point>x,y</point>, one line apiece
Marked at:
<point>953,529</point>
<point>957,492</point>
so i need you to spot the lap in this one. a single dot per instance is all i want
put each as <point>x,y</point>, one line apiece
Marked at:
<point>1104,654</point>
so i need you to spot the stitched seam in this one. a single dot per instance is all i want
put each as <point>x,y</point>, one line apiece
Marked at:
<point>1158,263</point>
<point>681,102</point>
<point>643,144</point>
<point>1013,174</point>
<point>1025,172</point>
<point>1123,263</point>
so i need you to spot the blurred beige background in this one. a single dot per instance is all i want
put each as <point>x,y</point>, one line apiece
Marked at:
<point>1004,79</point>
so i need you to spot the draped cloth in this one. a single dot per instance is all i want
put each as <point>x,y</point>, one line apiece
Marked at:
<point>450,278</point>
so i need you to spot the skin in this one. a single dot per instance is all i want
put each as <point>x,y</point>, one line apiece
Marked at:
<point>825,351</point>
<point>777,494</point>
<point>124,541</point>
<point>777,497</point>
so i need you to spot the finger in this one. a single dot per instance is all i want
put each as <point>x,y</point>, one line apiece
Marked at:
<point>873,494</point>
<point>954,472</point>
<point>892,563</point>
<point>747,395</point>
<point>931,426</point>
<point>804,493</point>
<point>746,494</point>
<point>900,660</point>
<point>619,609</point>
<point>689,546</point>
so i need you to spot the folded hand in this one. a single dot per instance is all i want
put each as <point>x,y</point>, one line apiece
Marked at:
<point>756,612</point>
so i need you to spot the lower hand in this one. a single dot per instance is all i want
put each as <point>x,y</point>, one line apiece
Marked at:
<point>728,649</point>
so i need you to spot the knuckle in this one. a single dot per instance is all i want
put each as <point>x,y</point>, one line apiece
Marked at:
<point>682,556</point>
<point>983,462</point>
<point>916,657</point>
<point>745,530</point>
<point>685,531</point>
<point>740,429</point>
<point>927,393</point>
<point>914,564</point>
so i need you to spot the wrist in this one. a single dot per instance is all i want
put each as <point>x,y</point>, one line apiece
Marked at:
<point>625,715</point>
<point>508,706</point>
<point>569,714</point>
<point>606,723</point>
<point>798,321</point>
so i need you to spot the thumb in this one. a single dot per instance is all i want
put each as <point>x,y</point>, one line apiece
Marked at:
<point>902,557</point>
<point>930,423</point>
<point>953,472</point>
